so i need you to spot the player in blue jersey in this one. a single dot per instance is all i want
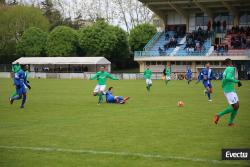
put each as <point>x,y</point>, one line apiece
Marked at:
<point>19,82</point>
<point>189,75</point>
<point>110,98</point>
<point>206,75</point>
<point>26,82</point>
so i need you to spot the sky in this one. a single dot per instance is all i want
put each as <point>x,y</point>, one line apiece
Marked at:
<point>89,9</point>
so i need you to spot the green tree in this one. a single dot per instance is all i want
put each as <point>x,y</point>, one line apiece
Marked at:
<point>101,39</point>
<point>140,35</point>
<point>62,41</point>
<point>14,20</point>
<point>32,43</point>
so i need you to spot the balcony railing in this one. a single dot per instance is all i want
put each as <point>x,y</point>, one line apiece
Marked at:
<point>156,53</point>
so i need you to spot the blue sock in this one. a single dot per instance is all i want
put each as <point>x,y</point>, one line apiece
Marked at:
<point>208,95</point>
<point>23,100</point>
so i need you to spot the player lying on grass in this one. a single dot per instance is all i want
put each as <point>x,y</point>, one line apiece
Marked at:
<point>101,77</point>
<point>228,83</point>
<point>189,75</point>
<point>20,82</point>
<point>110,98</point>
<point>166,74</point>
<point>147,75</point>
<point>206,75</point>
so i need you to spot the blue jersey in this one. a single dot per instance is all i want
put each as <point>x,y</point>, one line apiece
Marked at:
<point>19,78</point>
<point>109,97</point>
<point>19,81</point>
<point>206,74</point>
<point>189,73</point>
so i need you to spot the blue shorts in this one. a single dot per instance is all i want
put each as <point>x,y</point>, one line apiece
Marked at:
<point>189,77</point>
<point>120,99</point>
<point>110,99</point>
<point>207,84</point>
<point>20,90</point>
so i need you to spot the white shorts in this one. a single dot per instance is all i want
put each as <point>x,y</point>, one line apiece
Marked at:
<point>232,97</point>
<point>99,88</point>
<point>148,81</point>
<point>168,78</point>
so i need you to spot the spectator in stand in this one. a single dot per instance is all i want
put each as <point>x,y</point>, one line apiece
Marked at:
<point>160,51</point>
<point>166,36</point>
<point>221,50</point>
<point>214,25</point>
<point>226,48</point>
<point>209,25</point>
<point>166,46</point>
<point>224,24</point>
<point>218,26</point>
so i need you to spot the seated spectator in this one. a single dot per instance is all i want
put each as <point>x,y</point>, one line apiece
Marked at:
<point>160,50</point>
<point>166,36</point>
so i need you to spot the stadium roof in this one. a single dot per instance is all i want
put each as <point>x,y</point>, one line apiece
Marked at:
<point>62,60</point>
<point>210,7</point>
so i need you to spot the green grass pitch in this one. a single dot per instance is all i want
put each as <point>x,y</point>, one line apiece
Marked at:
<point>148,131</point>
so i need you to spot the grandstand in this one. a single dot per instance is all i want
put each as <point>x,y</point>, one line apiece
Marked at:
<point>198,31</point>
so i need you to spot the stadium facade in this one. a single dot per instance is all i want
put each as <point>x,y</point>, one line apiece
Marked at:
<point>193,32</point>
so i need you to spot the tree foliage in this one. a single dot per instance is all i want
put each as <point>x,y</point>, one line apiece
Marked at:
<point>62,41</point>
<point>102,39</point>
<point>140,35</point>
<point>14,20</point>
<point>32,43</point>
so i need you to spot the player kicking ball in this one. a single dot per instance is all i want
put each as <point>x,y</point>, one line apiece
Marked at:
<point>110,98</point>
<point>147,75</point>
<point>101,77</point>
<point>228,83</point>
<point>206,76</point>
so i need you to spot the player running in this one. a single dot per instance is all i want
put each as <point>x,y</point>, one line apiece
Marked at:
<point>166,73</point>
<point>101,77</point>
<point>206,75</point>
<point>189,75</point>
<point>110,98</point>
<point>26,82</point>
<point>19,82</point>
<point>147,75</point>
<point>228,83</point>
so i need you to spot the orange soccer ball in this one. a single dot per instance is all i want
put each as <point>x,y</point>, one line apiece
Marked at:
<point>180,104</point>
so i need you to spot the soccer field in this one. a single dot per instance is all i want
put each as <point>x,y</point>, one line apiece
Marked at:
<point>62,125</point>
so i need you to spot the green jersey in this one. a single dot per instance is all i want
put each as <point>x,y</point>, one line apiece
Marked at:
<point>147,74</point>
<point>15,68</point>
<point>229,80</point>
<point>167,72</point>
<point>102,77</point>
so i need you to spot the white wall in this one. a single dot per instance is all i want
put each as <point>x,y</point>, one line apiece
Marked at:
<point>191,22</point>
<point>175,18</point>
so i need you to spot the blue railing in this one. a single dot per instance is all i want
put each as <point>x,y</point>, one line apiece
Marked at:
<point>156,53</point>
<point>152,40</point>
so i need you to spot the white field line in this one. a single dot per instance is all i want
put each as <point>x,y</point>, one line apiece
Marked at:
<point>127,154</point>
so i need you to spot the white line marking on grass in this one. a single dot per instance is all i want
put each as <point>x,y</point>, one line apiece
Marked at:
<point>127,154</point>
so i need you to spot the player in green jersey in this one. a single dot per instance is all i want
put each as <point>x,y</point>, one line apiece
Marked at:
<point>101,77</point>
<point>228,83</point>
<point>147,75</point>
<point>167,74</point>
